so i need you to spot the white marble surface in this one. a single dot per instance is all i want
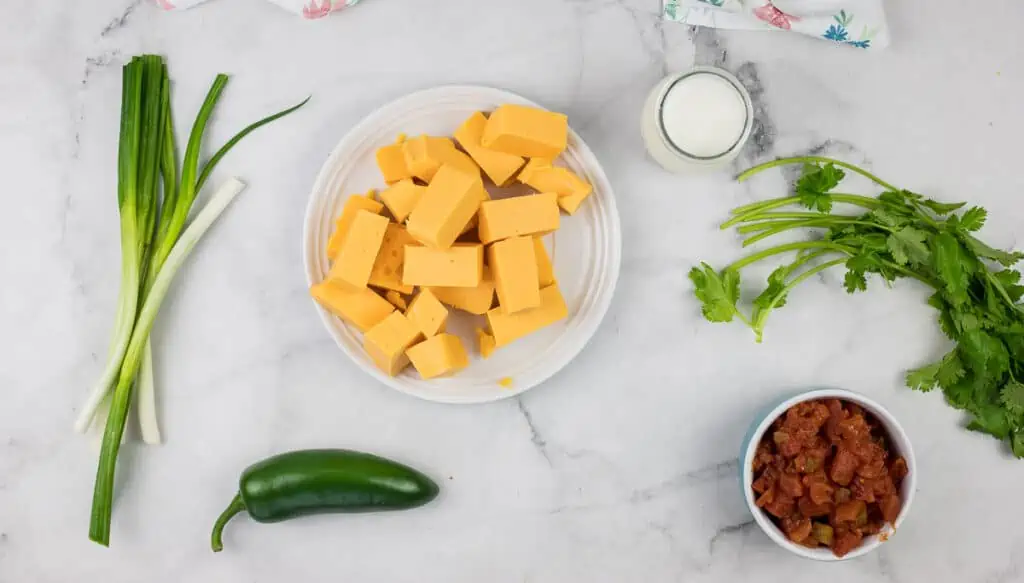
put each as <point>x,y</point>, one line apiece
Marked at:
<point>622,467</point>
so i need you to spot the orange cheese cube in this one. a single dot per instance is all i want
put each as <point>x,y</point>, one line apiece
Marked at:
<point>499,166</point>
<point>461,265</point>
<point>362,308</point>
<point>446,207</point>
<point>509,327</point>
<point>387,268</point>
<point>427,313</point>
<point>438,355</point>
<point>526,131</point>
<point>475,300</point>
<point>521,215</point>
<point>387,342</point>
<point>541,175</point>
<point>424,155</point>
<point>391,161</point>
<point>514,264</point>
<point>545,271</point>
<point>396,299</point>
<point>484,343</point>
<point>358,253</point>
<point>401,198</point>
<point>353,204</point>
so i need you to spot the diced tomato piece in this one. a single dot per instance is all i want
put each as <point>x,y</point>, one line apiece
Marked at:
<point>890,506</point>
<point>782,505</point>
<point>898,469</point>
<point>796,528</point>
<point>790,484</point>
<point>820,492</point>
<point>846,541</point>
<point>849,511</point>
<point>809,508</point>
<point>844,465</point>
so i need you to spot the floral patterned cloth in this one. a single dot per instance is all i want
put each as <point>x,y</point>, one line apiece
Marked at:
<point>855,23</point>
<point>306,8</point>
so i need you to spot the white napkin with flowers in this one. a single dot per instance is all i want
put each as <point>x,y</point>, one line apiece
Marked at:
<point>855,23</point>
<point>307,8</point>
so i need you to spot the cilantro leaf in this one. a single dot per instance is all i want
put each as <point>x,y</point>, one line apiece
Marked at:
<point>923,379</point>
<point>908,246</point>
<point>991,419</point>
<point>718,293</point>
<point>1006,258</point>
<point>953,265</point>
<point>887,217</point>
<point>815,183</point>
<point>775,290</point>
<point>946,321</point>
<point>1017,443</point>
<point>942,208</point>
<point>1012,397</point>
<point>973,219</point>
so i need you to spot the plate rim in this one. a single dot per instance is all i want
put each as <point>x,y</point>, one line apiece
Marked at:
<point>612,266</point>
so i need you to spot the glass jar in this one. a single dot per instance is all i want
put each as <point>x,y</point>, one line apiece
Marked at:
<point>698,120</point>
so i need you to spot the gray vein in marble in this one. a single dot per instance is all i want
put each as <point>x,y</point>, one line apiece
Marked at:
<point>120,21</point>
<point>764,133</point>
<point>536,439</point>
<point>727,531</point>
<point>708,49</point>
<point>702,475</point>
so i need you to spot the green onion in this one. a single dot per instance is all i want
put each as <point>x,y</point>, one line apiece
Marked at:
<point>154,243</point>
<point>103,492</point>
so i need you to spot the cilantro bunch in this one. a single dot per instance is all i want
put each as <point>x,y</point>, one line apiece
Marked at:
<point>898,234</point>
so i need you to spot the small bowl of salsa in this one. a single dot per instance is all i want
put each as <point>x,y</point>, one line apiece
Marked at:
<point>828,474</point>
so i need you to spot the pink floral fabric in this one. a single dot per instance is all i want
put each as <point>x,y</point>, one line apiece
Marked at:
<point>308,9</point>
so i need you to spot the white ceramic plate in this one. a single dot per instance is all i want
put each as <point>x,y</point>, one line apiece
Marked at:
<point>585,250</point>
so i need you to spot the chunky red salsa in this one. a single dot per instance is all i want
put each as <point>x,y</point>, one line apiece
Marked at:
<point>824,473</point>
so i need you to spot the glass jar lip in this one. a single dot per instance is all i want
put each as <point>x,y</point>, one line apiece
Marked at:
<point>748,106</point>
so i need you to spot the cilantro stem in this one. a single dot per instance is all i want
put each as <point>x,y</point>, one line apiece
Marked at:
<point>817,223</point>
<point>753,258</point>
<point>814,159</point>
<point>759,321</point>
<point>753,212</point>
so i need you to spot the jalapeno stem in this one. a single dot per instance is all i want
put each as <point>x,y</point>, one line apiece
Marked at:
<point>234,508</point>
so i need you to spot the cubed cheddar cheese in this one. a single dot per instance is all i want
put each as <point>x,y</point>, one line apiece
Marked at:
<point>391,161</point>
<point>387,268</point>
<point>545,270</point>
<point>526,131</point>
<point>424,155</point>
<point>514,265</point>
<point>460,265</point>
<point>484,343</point>
<point>427,313</point>
<point>507,328</point>
<point>498,166</point>
<point>446,207</point>
<point>533,214</point>
<point>353,204</point>
<point>541,175</point>
<point>396,299</point>
<point>387,342</point>
<point>362,308</point>
<point>358,252</point>
<point>401,198</point>
<point>438,355</point>
<point>475,300</point>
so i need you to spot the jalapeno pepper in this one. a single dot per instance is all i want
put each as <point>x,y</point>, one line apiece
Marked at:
<point>321,481</point>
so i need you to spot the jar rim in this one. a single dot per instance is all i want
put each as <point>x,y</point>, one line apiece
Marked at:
<point>744,95</point>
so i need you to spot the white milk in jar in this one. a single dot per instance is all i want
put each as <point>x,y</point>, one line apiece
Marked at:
<point>698,120</point>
